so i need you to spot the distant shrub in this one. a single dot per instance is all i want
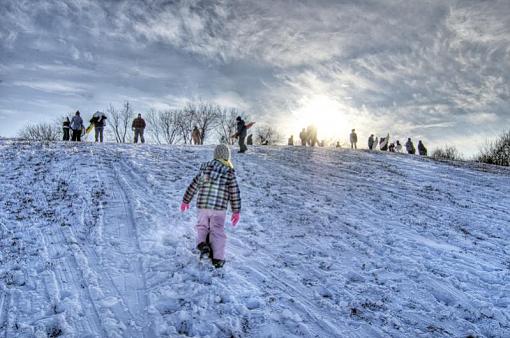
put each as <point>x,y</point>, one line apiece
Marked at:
<point>41,132</point>
<point>496,152</point>
<point>447,153</point>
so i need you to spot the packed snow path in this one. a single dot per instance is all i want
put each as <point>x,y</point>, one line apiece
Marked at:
<point>331,243</point>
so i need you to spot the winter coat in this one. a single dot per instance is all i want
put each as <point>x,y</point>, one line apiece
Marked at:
<point>241,129</point>
<point>410,147</point>
<point>76,123</point>
<point>371,142</point>
<point>217,187</point>
<point>354,138</point>
<point>421,149</point>
<point>138,123</point>
<point>98,120</point>
<point>66,124</point>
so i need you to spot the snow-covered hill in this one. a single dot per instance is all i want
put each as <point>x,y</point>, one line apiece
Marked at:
<point>331,243</point>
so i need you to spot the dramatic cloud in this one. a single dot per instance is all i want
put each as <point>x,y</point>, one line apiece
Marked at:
<point>437,70</point>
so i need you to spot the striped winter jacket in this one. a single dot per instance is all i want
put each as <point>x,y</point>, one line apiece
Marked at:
<point>217,186</point>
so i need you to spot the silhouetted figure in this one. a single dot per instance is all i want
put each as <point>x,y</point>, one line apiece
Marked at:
<point>398,146</point>
<point>77,127</point>
<point>291,140</point>
<point>383,143</point>
<point>391,147</point>
<point>98,120</point>
<point>138,126</point>
<point>354,139</point>
<point>311,132</point>
<point>249,140</point>
<point>410,147</point>
<point>195,136</point>
<point>66,126</point>
<point>303,136</point>
<point>371,142</point>
<point>241,133</point>
<point>421,148</point>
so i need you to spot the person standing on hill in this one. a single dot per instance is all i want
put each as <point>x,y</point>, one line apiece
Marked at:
<point>291,140</point>
<point>311,132</point>
<point>398,147</point>
<point>77,127</point>
<point>99,121</point>
<point>241,133</point>
<point>371,142</point>
<point>303,136</point>
<point>410,147</point>
<point>138,127</point>
<point>421,148</point>
<point>66,125</point>
<point>217,188</point>
<point>195,136</point>
<point>354,139</point>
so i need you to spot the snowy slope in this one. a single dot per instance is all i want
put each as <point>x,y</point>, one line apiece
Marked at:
<point>331,243</point>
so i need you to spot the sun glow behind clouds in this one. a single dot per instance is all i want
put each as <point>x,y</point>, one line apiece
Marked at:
<point>327,114</point>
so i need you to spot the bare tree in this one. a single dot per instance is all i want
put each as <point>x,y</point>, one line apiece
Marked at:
<point>205,117</point>
<point>170,125</point>
<point>227,125</point>
<point>41,132</point>
<point>447,153</point>
<point>496,152</point>
<point>120,121</point>
<point>154,128</point>
<point>268,135</point>
<point>184,120</point>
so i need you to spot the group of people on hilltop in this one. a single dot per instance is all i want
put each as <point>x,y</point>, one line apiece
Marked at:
<point>308,136</point>
<point>384,145</point>
<point>74,128</point>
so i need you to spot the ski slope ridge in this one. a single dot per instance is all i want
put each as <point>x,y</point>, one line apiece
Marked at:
<point>331,243</point>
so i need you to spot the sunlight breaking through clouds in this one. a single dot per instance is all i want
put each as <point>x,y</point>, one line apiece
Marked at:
<point>435,69</point>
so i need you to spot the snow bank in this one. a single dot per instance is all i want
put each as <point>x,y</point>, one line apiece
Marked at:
<point>331,243</point>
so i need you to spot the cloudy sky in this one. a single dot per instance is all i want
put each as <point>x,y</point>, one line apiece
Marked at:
<point>437,70</point>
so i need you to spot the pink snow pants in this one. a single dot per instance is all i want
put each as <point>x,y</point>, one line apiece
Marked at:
<point>212,222</point>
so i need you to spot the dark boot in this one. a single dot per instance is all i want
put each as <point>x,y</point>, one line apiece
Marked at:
<point>204,248</point>
<point>218,263</point>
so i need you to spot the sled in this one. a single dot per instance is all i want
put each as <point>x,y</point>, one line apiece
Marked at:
<point>89,128</point>
<point>247,126</point>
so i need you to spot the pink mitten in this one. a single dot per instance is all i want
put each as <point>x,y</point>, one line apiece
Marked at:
<point>235,218</point>
<point>184,206</point>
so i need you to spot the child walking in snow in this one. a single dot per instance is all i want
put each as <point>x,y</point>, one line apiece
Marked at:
<point>217,187</point>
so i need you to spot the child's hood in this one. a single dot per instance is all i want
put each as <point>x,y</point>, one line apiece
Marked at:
<point>215,169</point>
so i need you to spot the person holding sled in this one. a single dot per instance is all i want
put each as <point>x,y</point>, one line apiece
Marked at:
<point>421,149</point>
<point>138,127</point>
<point>217,187</point>
<point>354,139</point>
<point>66,126</point>
<point>77,127</point>
<point>98,121</point>
<point>410,147</point>
<point>241,133</point>
<point>195,136</point>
